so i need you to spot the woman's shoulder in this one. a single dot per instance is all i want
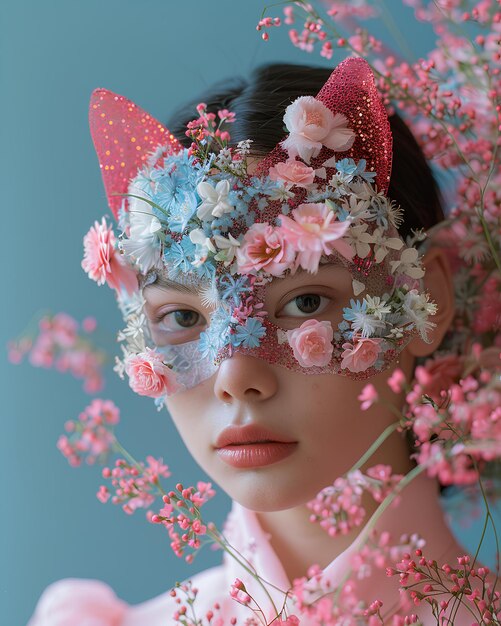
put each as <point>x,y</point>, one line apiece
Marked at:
<point>77,602</point>
<point>74,601</point>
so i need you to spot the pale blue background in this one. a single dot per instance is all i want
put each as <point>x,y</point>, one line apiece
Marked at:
<point>53,53</point>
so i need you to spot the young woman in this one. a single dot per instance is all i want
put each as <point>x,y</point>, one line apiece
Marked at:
<point>271,410</point>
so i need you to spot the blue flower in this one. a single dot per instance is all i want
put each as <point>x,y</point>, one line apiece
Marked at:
<point>167,185</point>
<point>205,271</point>
<point>357,307</point>
<point>343,326</point>
<point>209,344</point>
<point>264,186</point>
<point>348,168</point>
<point>123,217</point>
<point>182,164</point>
<point>360,171</point>
<point>182,210</point>
<point>341,213</point>
<point>250,334</point>
<point>180,255</point>
<point>250,218</point>
<point>223,223</point>
<point>160,403</point>
<point>321,196</point>
<point>232,288</point>
<point>220,322</point>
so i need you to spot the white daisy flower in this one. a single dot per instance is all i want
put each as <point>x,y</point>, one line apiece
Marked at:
<point>366,324</point>
<point>377,307</point>
<point>135,325</point>
<point>418,309</point>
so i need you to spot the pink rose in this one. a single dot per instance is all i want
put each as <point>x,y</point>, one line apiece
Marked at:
<point>361,355</point>
<point>264,248</point>
<point>102,262</point>
<point>312,125</point>
<point>315,231</point>
<point>312,343</point>
<point>293,172</point>
<point>71,601</point>
<point>149,376</point>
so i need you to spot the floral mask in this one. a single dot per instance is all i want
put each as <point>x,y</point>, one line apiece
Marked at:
<point>197,222</point>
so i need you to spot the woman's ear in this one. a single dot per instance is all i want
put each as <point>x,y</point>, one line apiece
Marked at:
<point>438,283</point>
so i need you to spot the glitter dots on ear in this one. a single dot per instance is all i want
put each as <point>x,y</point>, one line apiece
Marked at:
<point>124,136</point>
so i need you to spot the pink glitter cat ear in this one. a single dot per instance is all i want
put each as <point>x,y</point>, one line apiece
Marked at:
<point>351,90</point>
<point>125,137</point>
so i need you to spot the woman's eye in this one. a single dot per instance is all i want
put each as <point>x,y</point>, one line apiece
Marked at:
<point>305,305</point>
<point>181,319</point>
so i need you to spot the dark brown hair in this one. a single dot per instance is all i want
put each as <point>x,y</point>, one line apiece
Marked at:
<point>259,104</point>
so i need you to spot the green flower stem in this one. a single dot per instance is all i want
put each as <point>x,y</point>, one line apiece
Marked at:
<point>150,202</point>
<point>231,551</point>
<point>364,535</point>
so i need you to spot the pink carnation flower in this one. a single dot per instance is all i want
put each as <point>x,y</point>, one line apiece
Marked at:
<point>293,172</point>
<point>264,248</point>
<point>312,343</point>
<point>149,376</point>
<point>101,261</point>
<point>312,125</point>
<point>361,355</point>
<point>315,231</point>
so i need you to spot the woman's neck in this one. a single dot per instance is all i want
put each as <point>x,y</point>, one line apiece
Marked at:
<point>299,543</point>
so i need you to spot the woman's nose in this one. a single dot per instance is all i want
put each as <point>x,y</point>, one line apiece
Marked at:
<point>245,378</point>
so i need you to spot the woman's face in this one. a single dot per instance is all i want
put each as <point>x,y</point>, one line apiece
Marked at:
<point>316,419</point>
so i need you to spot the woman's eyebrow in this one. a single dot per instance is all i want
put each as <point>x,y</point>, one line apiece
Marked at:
<point>166,283</point>
<point>334,263</point>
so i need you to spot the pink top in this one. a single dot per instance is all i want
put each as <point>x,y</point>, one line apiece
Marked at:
<point>73,602</point>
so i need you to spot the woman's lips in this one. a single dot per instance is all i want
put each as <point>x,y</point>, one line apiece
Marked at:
<point>252,446</point>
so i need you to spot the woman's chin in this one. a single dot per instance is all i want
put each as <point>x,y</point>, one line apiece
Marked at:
<point>265,494</point>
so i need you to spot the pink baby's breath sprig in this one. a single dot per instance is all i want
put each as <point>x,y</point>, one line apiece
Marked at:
<point>267,22</point>
<point>445,587</point>
<point>457,128</point>
<point>209,129</point>
<point>317,602</point>
<point>60,342</point>
<point>135,485</point>
<point>91,435</point>
<point>339,508</point>
<point>453,411</point>
<point>185,596</point>
<point>182,518</point>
